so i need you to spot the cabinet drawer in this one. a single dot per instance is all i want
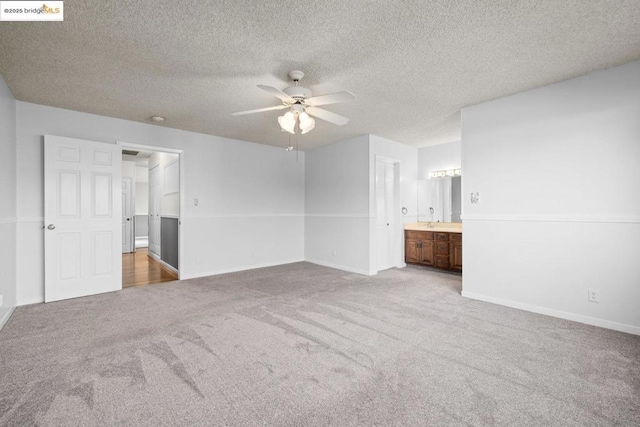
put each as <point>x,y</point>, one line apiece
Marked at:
<point>442,261</point>
<point>456,237</point>
<point>442,236</point>
<point>442,248</point>
<point>418,235</point>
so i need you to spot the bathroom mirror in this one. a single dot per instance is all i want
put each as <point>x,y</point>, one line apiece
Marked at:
<point>440,199</point>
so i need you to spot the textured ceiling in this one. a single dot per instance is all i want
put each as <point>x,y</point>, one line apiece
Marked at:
<point>412,64</point>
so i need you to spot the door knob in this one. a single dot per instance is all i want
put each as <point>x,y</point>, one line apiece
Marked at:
<point>128,219</point>
<point>51,227</point>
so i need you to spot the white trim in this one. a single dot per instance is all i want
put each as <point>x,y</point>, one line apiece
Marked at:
<point>5,318</point>
<point>237,269</point>
<point>147,147</point>
<point>341,267</point>
<point>368,216</point>
<point>224,216</point>
<point>632,219</point>
<point>163,263</point>
<point>630,329</point>
<point>8,220</point>
<point>31,301</point>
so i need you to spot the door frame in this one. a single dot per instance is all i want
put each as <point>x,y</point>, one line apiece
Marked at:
<point>181,211</point>
<point>398,234</point>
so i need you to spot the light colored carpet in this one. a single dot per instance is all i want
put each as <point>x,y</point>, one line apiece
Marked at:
<point>304,345</point>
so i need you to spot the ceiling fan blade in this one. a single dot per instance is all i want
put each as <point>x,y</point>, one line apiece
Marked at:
<point>327,116</point>
<point>332,98</point>
<point>259,110</point>
<point>277,93</point>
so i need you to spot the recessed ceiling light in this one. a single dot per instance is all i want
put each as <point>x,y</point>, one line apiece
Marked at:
<point>157,119</point>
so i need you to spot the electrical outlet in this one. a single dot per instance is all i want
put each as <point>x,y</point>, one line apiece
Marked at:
<point>475,198</point>
<point>334,252</point>
<point>594,295</point>
<point>1,300</point>
<point>196,202</point>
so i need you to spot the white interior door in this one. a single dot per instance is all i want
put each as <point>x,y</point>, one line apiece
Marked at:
<point>82,205</point>
<point>386,221</point>
<point>154,210</point>
<point>127,215</point>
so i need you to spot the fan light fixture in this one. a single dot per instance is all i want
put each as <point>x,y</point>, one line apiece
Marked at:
<point>289,120</point>
<point>301,105</point>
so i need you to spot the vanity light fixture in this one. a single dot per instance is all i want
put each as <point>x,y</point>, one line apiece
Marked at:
<point>444,173</point>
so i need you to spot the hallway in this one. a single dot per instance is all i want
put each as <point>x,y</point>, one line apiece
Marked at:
<point>140,269</point>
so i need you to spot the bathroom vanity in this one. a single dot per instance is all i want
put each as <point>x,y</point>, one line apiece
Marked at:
<point>436,245</point>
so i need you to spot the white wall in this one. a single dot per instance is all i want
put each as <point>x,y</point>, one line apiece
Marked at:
<point>8,203</point>
<point>142,190</point>
<point>340,201</point>
<point>407,157</point>
<point>251,210</point>
<point>557,169</point>
<point>337,205</point>
<point>169,203</point>
<point>129,169</point>
<point>438,157</point>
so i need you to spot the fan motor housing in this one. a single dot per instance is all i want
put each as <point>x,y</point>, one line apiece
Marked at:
<point>297,92</point>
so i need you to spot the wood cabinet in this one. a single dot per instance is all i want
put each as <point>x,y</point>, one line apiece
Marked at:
<point>418,247</point>
<point>455,249</point>
<point>434,248</point>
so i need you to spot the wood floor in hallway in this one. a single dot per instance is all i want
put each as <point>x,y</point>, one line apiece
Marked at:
<point>138,269</point>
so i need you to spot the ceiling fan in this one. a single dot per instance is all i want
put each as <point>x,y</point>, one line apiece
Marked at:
<point>301,105</point>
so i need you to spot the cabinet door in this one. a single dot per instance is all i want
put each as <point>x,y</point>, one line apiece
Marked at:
<point>456,256</point>
<point>426,252</point>
<point>442,248</point>
<point>411,250</point>
<point>442,261</point>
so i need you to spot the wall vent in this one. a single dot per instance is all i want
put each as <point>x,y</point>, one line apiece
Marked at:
<point>130,152</point>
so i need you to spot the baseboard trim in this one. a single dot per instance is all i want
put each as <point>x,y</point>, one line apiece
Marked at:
<point>338,215</point>
<point>31,301</point>
<point>237,269</point>
<point>607,324</point>
<point>162,263</point>
<point>341,267</point>
<point>5,314</point>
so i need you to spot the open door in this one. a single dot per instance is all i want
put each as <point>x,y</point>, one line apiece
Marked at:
<point>82,217</point>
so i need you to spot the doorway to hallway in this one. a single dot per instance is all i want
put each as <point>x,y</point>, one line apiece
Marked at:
<point>138,269</point>
<point>153,229</point>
